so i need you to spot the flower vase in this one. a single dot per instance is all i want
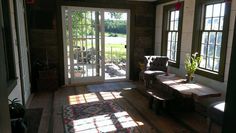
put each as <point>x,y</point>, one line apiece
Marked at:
<point>189,78</point>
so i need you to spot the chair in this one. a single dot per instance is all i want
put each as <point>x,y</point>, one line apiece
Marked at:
<point>216,113</point>
<point>154,65</point>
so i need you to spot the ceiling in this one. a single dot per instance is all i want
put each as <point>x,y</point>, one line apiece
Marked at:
<point>143,0</point>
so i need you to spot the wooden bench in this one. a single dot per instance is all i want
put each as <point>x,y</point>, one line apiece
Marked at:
<point>192,89</point>
<point>177,94</point>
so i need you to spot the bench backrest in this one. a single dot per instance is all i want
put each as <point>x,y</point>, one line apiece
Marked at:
<point>159,63</point>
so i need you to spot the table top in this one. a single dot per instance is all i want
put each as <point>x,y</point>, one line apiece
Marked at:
<point>181,86</point>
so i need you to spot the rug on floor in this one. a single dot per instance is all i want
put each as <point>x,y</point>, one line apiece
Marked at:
<point>97,117</point>
<point>110,86</point>
<point>33,118</point>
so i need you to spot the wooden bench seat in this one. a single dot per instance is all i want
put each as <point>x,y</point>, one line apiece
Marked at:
<point>193,89</point>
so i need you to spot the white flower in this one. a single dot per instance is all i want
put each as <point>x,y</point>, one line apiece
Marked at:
<point>195,54</point>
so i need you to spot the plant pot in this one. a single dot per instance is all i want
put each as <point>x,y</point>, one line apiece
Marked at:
<point>189,78</point>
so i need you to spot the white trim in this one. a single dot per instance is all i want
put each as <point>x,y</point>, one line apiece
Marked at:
<point>128,46</point>
<point>63,8</point>
<point>127,42</point>
<point>103,44</point>
<point>73,79</point>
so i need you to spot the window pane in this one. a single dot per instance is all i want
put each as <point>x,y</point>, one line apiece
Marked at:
<point>208,23</point>
<point>215,24</point>
<point>172,25</point>
<point>176,38</point>
<point>168,54</point>
<point>168,47</point>
<point>173,55</point>
<point>212,37</point>
<point>174,58</point>
<point>173,46</point>
<point>210,52</point>
<point>176,25</point>
<point>203,50</point>
<point>216,11</point>
<point>203,63</point>
<point>172,16</point>
<point>216,65</point>
<point>173,36</point>
<point>219,38</point>
<point>221,23</point>
<point>204,37</point>
<point>169,36</point>
<point>222,9</point>
<point>217,51</point>
<point>176,15</point>
<point>209,63</point>
<point>209,11</point>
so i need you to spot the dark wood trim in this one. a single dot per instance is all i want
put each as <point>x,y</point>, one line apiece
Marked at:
<point>131,43</point>
<point>230,108</point>
<point>5,125</point>
<point>95,4</point>
<point>158,2</point>
<point>166,9</point>
<point>196,43</point>
<point>8,46</point>
<point>60,46</point>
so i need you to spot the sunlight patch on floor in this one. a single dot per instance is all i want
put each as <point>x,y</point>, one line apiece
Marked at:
<point>83,98</point>
<point>110,95</point>
<point>105,123</point>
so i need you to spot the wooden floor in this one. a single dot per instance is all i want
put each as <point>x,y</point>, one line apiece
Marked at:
<point>132,101</point>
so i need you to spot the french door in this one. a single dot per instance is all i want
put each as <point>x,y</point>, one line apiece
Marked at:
<point>84,44</point>
<point>23,49</point>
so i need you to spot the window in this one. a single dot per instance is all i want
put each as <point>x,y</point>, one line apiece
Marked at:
<point>210,37</point>
<point>8,46</point>
<point>172,26</point>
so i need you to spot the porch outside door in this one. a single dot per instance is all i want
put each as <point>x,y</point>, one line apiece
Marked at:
<point>84,44</point>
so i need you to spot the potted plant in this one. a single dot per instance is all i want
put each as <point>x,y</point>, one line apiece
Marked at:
<point>78,71</point>
<point>191,64</point>
<point>17,113</point>
<point>16,109</point>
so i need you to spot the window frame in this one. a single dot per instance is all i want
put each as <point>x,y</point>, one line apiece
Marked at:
<point>9,55</point>
<point>197,36</point>
<point>164,43</point>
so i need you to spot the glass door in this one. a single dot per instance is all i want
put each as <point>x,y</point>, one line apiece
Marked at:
<point>83,44</point>
<point>96,43</point>
<point>116,44</point>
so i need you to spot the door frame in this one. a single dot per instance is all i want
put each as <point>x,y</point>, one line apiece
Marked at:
<point>16,13</point>
<point>127,42</point>
<point>69,81</point>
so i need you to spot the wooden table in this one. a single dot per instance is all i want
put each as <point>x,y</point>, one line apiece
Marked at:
<point>195,89</point>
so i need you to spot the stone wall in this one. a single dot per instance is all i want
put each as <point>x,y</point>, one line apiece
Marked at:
<point>143,33</point>
<point>186,42</point>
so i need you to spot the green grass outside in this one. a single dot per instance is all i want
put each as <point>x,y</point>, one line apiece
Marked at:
<point>115,52</point>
